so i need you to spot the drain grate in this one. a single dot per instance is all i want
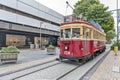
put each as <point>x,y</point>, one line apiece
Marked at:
<point>116,69</point>
<point>115,79</point>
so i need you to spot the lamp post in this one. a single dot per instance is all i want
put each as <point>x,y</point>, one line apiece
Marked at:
<point>40,32</point>
<point>117,19</point>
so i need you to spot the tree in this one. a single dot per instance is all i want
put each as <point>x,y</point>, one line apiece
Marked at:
<point>110,35</point>
<point>97,11</point>
<point>83,5</point>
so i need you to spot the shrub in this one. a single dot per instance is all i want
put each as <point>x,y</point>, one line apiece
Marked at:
<point>51,47</point>
<point>115,44</point>
<point>10,49</point>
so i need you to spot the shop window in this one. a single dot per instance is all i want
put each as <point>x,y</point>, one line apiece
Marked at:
<point>44,40</point>
<point>16,40</point>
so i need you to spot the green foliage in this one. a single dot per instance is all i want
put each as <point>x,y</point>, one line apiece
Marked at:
<point>115,44</point>
<point>83,5</point>
<point>110,35</point>
<point>109,25</point>
<point>10,49</point>
<point>97,11</point>
<point>51,47</point>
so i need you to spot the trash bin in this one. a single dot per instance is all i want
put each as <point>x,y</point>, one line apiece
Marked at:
<point>115,50</point>
<point>31,46</point>
<point>36,46</point>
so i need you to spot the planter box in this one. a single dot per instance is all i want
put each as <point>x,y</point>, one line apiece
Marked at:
<point>51,51</point>
<point>8,57</point>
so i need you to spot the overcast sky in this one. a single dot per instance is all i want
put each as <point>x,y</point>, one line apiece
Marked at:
<point>60,5</point>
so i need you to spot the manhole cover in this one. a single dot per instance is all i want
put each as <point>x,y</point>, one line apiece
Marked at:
<point>115,69</point>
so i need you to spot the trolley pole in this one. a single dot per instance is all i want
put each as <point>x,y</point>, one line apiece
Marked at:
<point>69,5</point>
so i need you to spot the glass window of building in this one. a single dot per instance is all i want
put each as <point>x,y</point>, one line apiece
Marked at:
<point>44,40</point>
<point>16,40</point>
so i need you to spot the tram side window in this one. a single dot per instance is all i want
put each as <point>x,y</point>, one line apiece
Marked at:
<point>67,33</point>
<point>87,33</point>
<point>76,33</point>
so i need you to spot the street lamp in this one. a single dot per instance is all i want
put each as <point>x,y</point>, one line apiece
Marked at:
<point>117,19</point>
<point>40,32</point>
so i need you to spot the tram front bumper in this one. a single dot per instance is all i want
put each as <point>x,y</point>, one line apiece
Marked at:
<point>70,57</point>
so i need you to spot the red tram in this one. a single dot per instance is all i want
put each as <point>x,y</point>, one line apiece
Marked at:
<point>81,40</point>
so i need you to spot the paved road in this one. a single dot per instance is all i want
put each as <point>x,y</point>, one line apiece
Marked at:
<point>30,55</point>
<point>53,72</point>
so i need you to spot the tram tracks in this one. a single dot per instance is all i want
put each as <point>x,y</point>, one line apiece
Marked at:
<point>59,76</point>
<point>69,71</point>
<point>71,68</point>
<point>80,72</point>
<point>33,69</point>
<point>36,71</point>
<point>90,72</point>
<point>55,71</point>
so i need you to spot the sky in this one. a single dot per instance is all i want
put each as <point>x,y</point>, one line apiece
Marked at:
<point>60,5</point>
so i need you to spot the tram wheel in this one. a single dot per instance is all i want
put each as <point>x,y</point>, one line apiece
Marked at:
<point>92,56</point>
<point>77,60</point>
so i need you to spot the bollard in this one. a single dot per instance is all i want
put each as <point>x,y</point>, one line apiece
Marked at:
<point>31,46</point>
<point>115,50</point>
<point>36,46</point>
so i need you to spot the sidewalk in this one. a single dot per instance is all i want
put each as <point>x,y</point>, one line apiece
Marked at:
<point>109,68</point>
<point>26,59</point>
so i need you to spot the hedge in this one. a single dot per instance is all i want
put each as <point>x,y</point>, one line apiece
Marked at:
<point>115,44</point>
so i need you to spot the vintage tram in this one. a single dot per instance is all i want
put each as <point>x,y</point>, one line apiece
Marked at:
<point>81,40</point>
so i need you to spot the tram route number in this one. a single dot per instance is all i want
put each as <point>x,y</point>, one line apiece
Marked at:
<point>67,52</point>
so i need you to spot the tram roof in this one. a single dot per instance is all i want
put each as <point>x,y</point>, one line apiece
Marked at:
<point>80,22</point>
<point>76,22</point>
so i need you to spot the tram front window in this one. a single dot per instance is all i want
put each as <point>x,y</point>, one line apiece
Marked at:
<point>67,33</point>
<point>76,33</point>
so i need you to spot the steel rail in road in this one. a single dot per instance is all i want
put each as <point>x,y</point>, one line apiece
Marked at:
<point>29,71</point>
<point>8,73</point>
<point>36,71</point>
<point>81,71</point>
<point>94,66</point>
<point>73,68</point>
<point>68,70</point>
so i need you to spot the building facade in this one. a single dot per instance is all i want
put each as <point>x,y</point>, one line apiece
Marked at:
<point>25,22</point>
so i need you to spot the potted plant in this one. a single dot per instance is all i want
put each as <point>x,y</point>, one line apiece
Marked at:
<point>51,49</point>
<point>9,54</point>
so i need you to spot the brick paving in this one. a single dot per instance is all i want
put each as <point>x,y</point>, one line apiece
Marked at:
<point>25,65</point>
<point>109,68</point>
<point>28,58</point>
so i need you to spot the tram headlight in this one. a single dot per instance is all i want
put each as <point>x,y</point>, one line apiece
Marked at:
<point>66,47</point>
